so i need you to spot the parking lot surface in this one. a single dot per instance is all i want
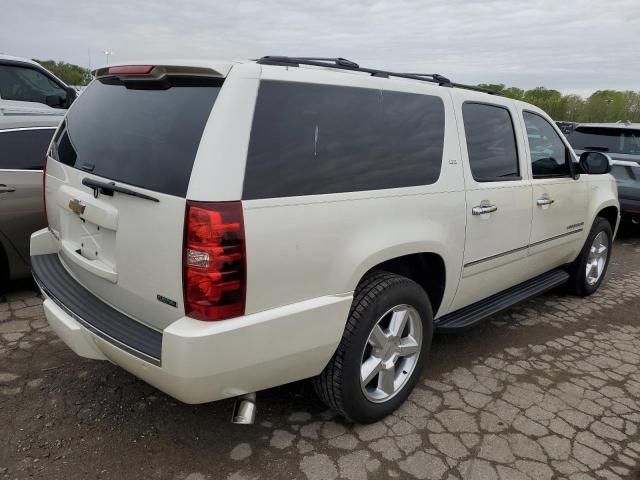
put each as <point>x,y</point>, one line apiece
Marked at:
<point>549,389</point>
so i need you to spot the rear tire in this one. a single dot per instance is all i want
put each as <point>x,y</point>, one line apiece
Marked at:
<point>389,331</point>
<point>589,269</point>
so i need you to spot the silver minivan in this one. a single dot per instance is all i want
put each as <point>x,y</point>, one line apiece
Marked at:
<point>23,144</point>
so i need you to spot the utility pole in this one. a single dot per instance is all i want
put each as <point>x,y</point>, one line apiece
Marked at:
<point>107,53</point>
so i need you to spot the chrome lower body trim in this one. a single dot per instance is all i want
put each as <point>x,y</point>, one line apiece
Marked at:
<point>519,249</point>
<point>572,232</point>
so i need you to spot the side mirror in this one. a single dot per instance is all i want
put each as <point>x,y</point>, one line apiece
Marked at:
<point>595,163</point>
<point>71,96</point>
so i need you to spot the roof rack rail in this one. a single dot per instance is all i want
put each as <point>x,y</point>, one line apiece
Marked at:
<point>344,64</point>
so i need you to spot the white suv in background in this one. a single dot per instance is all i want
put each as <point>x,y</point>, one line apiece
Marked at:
<point>221,228</point>
<point>26,87</point>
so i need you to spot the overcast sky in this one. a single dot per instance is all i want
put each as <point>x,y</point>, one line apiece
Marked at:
<point>573,46</point>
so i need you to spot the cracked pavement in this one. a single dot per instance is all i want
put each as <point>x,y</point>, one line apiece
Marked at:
<point>548,389</point>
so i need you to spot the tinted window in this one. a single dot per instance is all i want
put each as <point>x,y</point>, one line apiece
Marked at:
<point>491,142</point>
<point>24,149</point>
<point>143,137</point>
<point>616,140</point>
<point>311,139</point>
<point>29,85</point>
<point>548,152</point>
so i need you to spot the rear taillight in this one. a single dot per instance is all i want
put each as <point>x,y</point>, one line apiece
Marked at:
<point>44,185</point>
<point>214,261</point>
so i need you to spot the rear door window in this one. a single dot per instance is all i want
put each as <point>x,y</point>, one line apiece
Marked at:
<point>24,149</point>
<point>491,142</point>
<point>310,139</point>
<point>146,137</point>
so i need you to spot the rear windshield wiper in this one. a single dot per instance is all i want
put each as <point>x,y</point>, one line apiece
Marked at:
<point>107,188</point>
<point>597,149</point>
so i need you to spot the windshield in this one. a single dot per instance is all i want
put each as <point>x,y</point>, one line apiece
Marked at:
<point>614,140</point>
<point>147,137</point>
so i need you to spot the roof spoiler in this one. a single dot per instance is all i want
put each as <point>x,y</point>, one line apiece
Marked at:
<point>154,72</point>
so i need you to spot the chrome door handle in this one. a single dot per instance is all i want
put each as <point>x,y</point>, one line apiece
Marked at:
<point>5,189</point>
<point>483,209</point>
<point>542,201</point>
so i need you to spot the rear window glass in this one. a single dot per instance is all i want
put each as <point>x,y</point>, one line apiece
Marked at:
<point>312,139</point>
<point>24,149</point>
<point>143,137</point>
<point>616,140</point>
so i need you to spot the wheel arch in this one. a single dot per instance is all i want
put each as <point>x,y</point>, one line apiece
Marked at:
<point>610,213</point>
<point>427,269</point>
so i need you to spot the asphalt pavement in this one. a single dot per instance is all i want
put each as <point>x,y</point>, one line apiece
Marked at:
<point>548,389</point>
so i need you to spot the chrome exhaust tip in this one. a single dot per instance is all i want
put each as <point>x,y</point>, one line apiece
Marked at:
<point>244,410</point>
<point>635,220</point>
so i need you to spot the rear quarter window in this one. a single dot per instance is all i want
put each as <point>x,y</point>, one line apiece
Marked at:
<point>310,139</point>
<point>24,149</point>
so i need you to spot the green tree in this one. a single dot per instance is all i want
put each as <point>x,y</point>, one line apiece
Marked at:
<point>549,100</point>
<point>514,92</point>
<point>67,72</point>
<point>606,106</point>
<point>574,108</point>
<point>511,92</point>
<point>601,106</point>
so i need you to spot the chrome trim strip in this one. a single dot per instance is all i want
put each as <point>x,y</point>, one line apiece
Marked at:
<point>493,257</point>
<point>556,237</point>
<point>515,250</point>
<point>99,333</point>
<point>22,129</point>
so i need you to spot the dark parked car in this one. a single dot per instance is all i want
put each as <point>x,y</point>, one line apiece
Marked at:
<point>621,141</point>
<point>566,127</point>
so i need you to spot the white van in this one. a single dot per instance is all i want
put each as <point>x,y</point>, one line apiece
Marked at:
<point>221,228</point>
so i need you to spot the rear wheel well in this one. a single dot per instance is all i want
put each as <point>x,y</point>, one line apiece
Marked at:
<point>610,214</point>
<point>426,269</point>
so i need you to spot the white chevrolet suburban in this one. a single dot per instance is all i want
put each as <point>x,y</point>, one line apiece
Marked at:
<point>221,228</point>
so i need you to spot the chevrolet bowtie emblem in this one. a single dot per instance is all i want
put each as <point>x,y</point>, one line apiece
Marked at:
<point>76,206</point>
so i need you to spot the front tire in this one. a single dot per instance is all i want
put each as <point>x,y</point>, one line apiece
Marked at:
<point>589,269</point>
<point>383,349</point>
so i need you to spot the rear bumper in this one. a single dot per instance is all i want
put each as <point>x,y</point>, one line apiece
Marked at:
<point>205,361</point>
<point>92,313</point>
